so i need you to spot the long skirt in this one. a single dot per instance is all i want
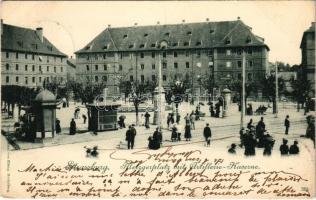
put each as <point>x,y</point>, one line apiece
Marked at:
<point>187,133</point>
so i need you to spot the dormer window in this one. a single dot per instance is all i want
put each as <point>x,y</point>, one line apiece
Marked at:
<point>167,34</point>
<point>34,46</point>
<point>198,43</point>
<point>131,46</point>
<point>212,31</point>
<point>141,46</point>
<point>248,40</point>
<point>105,47</point>
<point>146,34</point>
<point>175,44</point>
<point>124,36</point>
<point>50,48</point>
<point>153,45</point>
<point>228,41</point>
<point>87,47</point>
<point>189,33</point>
<point>20,43</point>
<point>186,43</point>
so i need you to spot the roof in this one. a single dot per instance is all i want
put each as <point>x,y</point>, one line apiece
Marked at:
<point>178,36</point>
<point>45,96</point>
<point>310,30</point>
<point>16,38</point>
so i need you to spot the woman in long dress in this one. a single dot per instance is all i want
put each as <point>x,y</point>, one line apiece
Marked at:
<point>187,133</point>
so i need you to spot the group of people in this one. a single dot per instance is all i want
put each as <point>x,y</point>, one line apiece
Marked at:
<point>155,141</point>
<point>215,112</point>
<point>285,150</point>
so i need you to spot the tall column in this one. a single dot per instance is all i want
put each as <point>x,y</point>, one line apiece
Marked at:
<point>243,88</point>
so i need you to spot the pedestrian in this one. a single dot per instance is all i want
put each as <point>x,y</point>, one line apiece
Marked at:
<point>187,133</point>
<point>174,133</point>
<point>242,136</point>
<point>197,113</point>
<point>287,124</point>
<point>121,121</point>
<point>207,132</point>
<point>267,149</point>
<point>157,136</point>
<point>217,109</point>
<point>130,137</point>
<point>232,149</point>
<point>187,119</point>
<point>168,120</point>
<point>178,118</point>
<point>147,116</point>
<point>260,128</point>
<point>73,128</point>
<point>294,148</point>
<point>249,125</point>
<point>84,118</point>
<point>250,144</point>
<point>172,118</point>
<point>58,128</point>
<point>212,110</point>
<point>284,148</point>
<point>192,120</point>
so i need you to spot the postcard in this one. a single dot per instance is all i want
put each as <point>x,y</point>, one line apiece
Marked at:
<point>158,99</point>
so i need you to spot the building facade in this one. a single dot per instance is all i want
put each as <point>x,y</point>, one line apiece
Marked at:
<point>308,56</point>
<point>195,50</point>
<point>29,59</point>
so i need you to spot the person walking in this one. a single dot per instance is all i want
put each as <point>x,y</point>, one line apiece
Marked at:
<point>192,120</point>
<point>207,133</point>
<point>147,116</point>
<point>73,128</point>
<point>284,148</point>
<point>178,118</point>
<point>212,110</point>
<point>157,137</point>
<point>174,133</point>
<point>287,124</point>
<point>187,133</point>
<point>249,125</point>
<point>130,137</point>
<point>294,148</point>
<point>260,128</point>
<point>58,128</point>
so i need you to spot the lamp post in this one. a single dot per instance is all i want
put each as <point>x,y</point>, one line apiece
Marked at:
<point>243,89</point>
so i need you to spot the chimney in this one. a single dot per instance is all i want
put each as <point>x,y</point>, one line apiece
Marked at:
<point>135,24</point>
<point>207,19</point>
<point>158,23</point>
<point>238,18</point>
<point>109,25</point>
<point>39,32</point>
<point>183,21</point>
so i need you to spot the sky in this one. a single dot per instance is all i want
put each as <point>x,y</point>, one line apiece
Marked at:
<point>71,25</point>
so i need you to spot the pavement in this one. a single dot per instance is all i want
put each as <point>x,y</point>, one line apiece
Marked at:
<point>223,129</point>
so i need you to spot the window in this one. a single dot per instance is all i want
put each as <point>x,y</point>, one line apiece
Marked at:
<point>26,56</point>
<point>153,66</point>
<point>40,79</point>
<point>164,77</point>
<point>189,33</point>
<point>54,69</point>
<point>211,30</point>
<point>249,77</point>
<point>47,69</point>
<point>26,80</point>
<point>33,56</point>
<point>105,67</point>
<point>186,44</point>
<point>164,65</point>
<point>7,55</point>
<point>248,40</point>
<point>167,34</point>
<point>7,66</point>
<point>228,41</point>
<point>33,79</point>
<point>153,54</point>
<point>145,35</point>
<point>17,55</point>
<point>88,57</point>
<point>228,52</point>
<point>187,53</point>
<point>105,78</point>
<point>187,65</point>
<point>17,79</point>
<point>96,67</point>
<point>210,53</point>
<point>153,77</point>
<point>249,51</point>
<point>175,65</point>
<point>142,78</point>
<point>198,54</point>
<point>228,64</point>
<point>175,44</point>
<point>175,54</point>
<point>198,43</point>
<point>104,56</point>
<point>40,68</point>
<point>96,56</point>
<point>48,59</point>
<point>142,66</point>
<point>250,63</point>
<point>7,79</point>
<point>17,67</point>
<point>131,46</point>
<point>164,54</point>
<point>120,67</point>
<point>141,46</point>
<point>239,63</point>
<point>124,36</point>
<point>239,51</point>
<point>96,78</point>
<point>141,55</point>
<point>61,69</point>
<point>25,67</point>
<point>33,68</point>
<point>131,78</point>
<point>87,66</point>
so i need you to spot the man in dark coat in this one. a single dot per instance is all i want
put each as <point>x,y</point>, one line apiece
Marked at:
<point>212,110</point>
<point>207,132</point>
<point>287,124</point>
<point>130,137</point>
<point>260,128</point>
<point>284,148</point>
<point>58,128</point>
<point>294,148</point>
<point>147,115</point>
<point>72,127</point>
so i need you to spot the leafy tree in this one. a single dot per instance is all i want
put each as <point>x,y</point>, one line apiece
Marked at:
<point>269,89</point>
<point>236,86</point>
<point>301,89</point>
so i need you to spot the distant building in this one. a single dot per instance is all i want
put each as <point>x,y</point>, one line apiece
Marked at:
<point>71,70</point>
<point>28,58</point>
<point>212,49</point>
<point>308,56</point>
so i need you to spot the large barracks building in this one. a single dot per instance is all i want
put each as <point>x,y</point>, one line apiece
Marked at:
<point>211,49</point>
<point>28,58</point>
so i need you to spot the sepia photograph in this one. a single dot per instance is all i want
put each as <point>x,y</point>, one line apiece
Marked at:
<point>157,99</point>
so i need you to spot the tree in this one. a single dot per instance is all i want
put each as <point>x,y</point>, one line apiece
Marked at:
<point>236,86</point>
<point>269,90</point>
<point>301,89</point>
